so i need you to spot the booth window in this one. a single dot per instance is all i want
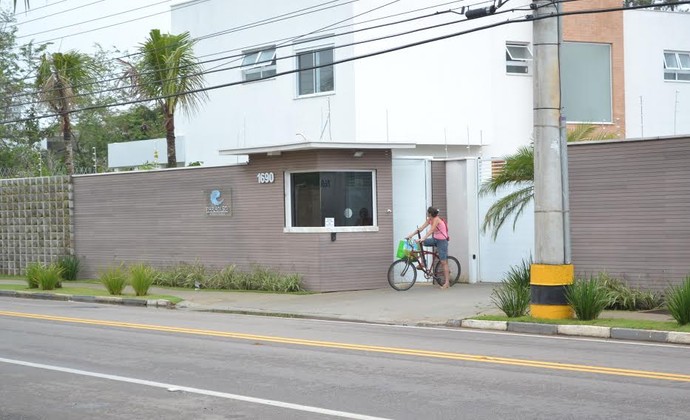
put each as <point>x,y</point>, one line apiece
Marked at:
<point>315,80</point>
<point>317,199</point>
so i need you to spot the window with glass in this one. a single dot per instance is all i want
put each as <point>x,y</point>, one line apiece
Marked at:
<point>338,199</point>
<point>259,64</point>
<point>518,58</point>
<point>586,82</point>
<point>677,65</point>
<point>316,73</point>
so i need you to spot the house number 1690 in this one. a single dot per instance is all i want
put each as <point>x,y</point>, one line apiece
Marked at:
<point>265,177</point>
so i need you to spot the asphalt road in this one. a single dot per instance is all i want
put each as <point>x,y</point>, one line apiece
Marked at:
<point>66,360</point>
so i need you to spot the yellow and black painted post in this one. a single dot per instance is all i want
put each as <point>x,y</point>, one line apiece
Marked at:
<point>548,284</point>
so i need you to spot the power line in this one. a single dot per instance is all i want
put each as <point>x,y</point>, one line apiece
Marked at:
<point>334,63</point>
<point>236,56</point>
<point>43,7</point>
<point>45,41</point>
<point>295,55</point>
<point>527,18</point>
<point>56,13</point>
<point>98,18</point>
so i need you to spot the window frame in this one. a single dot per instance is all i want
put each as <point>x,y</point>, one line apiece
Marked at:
<point>680,68</point>
<point>288,228</point>
<point>263,68</point>
<point>315,71</point>
<point>512,61</point>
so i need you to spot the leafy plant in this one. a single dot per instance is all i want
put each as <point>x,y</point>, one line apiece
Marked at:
<point>183,275</point>
<point>588,298</point>
<point>114,279</point>
<point>519,275</point>
<point>627,298</point>
<point>142,277</point>
<point>678,302</point>
<point>32,271</point>
<point>514,295</point>
<point>50,277</point>
<point>513,299</point>
<point>70,266</point>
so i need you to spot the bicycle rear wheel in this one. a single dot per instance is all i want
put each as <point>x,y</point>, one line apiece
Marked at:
<point>402,274</point>
<point>453,271</point>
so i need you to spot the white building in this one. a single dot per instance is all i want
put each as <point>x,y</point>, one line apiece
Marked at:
<point>417,73</point>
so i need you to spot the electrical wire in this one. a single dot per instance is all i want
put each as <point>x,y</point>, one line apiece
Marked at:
<point>295,55</point>
<point>237,56</point>
<point>56,13</point>
<point>523,19</point>
<point>98,18</point>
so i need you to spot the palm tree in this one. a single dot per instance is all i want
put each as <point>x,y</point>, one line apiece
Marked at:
<point>518,171</point>
<point>169,73</point>
<point>59,76</point>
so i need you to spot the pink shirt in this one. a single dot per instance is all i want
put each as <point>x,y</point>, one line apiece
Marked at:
<point>441,231</point>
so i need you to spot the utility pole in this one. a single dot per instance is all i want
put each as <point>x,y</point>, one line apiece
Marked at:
<point>552,272</point>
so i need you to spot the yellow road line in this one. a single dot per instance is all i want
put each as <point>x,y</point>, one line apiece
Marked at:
<point>365,348</point>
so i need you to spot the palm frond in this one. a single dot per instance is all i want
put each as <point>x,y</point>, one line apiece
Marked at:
<point>518,169</point>
<point>585,132</point>
<point>512,204</point>
<point>168,68</point>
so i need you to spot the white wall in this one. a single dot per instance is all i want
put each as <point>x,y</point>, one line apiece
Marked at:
<point>266,112</point>
<point>450,92</point>
<point>139,152</point>
<point>647,35</point>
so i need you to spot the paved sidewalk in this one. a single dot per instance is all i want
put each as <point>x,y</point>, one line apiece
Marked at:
<point>424,304</point>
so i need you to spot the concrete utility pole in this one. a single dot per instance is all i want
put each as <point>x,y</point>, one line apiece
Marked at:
<point>551,272</point>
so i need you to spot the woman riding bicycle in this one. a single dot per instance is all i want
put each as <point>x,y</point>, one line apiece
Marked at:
<point>437,236</point>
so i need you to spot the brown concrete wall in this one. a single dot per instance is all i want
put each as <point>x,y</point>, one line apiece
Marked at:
<point>159,217</point>
<point>602,28</point>
<point>630,210</point>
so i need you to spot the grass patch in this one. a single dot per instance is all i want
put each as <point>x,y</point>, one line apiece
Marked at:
<point>89,291</point>
<point>602,322</point>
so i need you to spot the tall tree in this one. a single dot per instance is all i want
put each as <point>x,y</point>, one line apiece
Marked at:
<point>169,73</point>
<point>60,77</point>
<point>518,171</point>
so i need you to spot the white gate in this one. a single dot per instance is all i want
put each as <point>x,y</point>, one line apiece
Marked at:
<point>511,246</point>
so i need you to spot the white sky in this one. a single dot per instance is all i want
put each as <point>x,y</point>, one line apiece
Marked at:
<point>102,21</point>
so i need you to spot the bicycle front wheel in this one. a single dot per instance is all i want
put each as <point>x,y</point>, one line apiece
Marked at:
<point>453,271</point>
<point>402,274</point>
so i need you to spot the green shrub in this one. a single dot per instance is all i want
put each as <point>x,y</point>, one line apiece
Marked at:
<point>70,267</point>
<point>183,275</point>
<point>229,278</point>
<point>32,271</point>
<point>511,298</point>
<point>142,276</point>
<point>587,298</point>
<point>519,275</point>
<point>50,277</point>
<point>678,302</point>
<point>223,279</point>
<point>114,279</point>
<point>626,298</point>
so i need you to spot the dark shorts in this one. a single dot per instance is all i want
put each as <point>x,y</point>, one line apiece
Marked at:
<point>441,247</point>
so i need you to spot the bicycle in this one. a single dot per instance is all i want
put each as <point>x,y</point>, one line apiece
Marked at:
<point>402,274</point>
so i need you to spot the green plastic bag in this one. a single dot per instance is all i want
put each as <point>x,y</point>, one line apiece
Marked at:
<point>404,249</point>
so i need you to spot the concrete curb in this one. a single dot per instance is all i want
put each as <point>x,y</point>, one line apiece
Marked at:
<point>596,331</point>
<point>113,300</point>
